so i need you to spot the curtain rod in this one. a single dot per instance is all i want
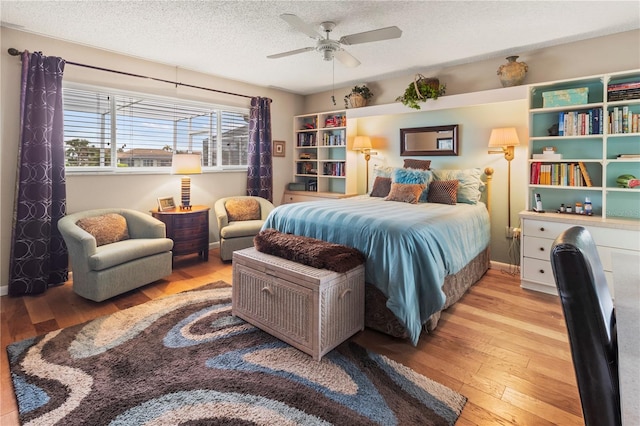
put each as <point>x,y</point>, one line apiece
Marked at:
<point>16,52</point>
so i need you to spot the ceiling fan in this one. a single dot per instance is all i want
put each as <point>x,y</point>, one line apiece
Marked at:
<point>333,48</point>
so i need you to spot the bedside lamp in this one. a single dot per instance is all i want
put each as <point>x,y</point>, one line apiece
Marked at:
<point>186,164</point>
<point>363,144</point>
<point>505,138</point>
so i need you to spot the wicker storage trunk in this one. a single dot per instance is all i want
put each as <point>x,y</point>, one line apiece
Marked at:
<point>311,309</point>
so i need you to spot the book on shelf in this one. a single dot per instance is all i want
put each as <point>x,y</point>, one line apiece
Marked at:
<point>547,156</point>
<point>622,120</point>
<point>585,174</point>
<point>623,91</point>
<point>629,156</point>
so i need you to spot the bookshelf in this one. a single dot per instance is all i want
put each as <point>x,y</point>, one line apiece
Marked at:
<point>578,146</point>
<point>599,136</point>
<point>321,158</point>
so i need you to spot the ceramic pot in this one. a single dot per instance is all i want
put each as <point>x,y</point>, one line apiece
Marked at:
<point>512,73</point>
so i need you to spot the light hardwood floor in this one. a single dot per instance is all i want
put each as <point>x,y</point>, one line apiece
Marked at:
<point>502,347</point>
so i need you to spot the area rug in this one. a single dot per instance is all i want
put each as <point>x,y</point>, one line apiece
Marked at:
<point>184,359</point>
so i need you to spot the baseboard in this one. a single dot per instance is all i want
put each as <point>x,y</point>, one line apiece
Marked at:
<point>505,267</point>
<point>4,290</point>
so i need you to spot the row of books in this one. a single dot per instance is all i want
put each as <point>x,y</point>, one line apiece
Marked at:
<point>334,139</point>
<point>623,91</point>
<point>560,174</point>
<point>577,123</point>
<point>621,120</point>
<point>333,169</point>
<point>307,139</point>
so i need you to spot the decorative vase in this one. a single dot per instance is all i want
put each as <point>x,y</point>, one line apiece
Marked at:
<point>356,100</point>
<point>512,73</point>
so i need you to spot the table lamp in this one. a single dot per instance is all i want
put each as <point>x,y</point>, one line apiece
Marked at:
<point>186,164</point>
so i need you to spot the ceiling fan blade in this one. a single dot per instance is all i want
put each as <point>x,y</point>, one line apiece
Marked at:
<point>373,35</point>
<point>291,52</point>
<point>346,59</point>
<point>300,25</point>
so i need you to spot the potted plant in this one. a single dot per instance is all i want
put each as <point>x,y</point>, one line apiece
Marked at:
<point>358,97</point>
<point>421,89</point>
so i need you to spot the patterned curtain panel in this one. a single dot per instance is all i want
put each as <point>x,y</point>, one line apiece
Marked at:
<point>38,254</point>
<point>259,172</point>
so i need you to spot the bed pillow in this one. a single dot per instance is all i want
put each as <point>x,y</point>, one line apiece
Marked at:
<point>405,192</point>
<point>106,229</point>
<point>470,186</point>
<point>413,163</point>
<point>381,187</point>
<point>414,176</point>
<point>239,209</point>
<point>443,191</point>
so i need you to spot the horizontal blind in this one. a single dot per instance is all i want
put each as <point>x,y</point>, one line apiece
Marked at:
<point>147,131</point>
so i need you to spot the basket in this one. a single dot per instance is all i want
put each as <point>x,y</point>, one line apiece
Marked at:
<point>434,83</point>
<point>356,100</point>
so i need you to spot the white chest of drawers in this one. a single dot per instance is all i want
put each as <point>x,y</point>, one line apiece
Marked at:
<point>540,230</point>
<point>311,309</point>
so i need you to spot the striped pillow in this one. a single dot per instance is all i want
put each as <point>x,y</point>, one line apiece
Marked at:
<point>443,191</point>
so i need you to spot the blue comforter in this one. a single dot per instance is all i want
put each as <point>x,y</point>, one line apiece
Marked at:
<point>410,248</point>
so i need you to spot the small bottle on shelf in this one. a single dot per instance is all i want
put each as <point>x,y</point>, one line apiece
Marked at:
<point>588,208</point>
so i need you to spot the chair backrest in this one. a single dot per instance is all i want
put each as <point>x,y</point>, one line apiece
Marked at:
<point>591,324</point>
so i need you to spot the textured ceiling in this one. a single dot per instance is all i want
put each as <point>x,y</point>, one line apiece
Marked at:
<point>232,38</point>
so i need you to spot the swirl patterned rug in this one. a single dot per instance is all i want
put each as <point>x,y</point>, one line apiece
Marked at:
<point>184,359</point>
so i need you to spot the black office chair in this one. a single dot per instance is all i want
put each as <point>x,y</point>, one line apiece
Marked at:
<point>591,324</point>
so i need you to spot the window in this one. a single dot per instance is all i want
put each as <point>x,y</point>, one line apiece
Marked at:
<point>113,130</point>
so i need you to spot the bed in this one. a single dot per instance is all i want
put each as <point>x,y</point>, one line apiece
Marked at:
<point>421,257</point>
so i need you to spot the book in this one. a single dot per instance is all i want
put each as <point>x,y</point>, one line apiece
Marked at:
<point>629,156</point>
<point>585,174</point>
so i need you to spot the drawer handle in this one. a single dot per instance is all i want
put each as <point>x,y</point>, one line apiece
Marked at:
<point>542,271</point>
<point>344,293</point>
<point>541,248</point>
<point>541,229</point>
<point>267,290</point>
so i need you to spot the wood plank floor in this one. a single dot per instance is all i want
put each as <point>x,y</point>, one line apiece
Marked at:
<point>502,347</point>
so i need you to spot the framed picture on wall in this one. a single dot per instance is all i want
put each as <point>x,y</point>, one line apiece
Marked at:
<point>278,148</point>
<point>166,203</point>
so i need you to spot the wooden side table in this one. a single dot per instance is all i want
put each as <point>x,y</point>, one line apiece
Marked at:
<point>189,230</point>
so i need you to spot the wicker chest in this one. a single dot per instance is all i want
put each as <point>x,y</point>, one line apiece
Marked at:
<point>311,309</point>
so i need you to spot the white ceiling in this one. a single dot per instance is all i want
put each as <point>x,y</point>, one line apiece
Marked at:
<point>232,38</point>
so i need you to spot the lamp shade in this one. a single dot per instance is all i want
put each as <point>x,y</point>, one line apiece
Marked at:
<point>505,136</point>
<point>360,143</point>
<point>186,164</point>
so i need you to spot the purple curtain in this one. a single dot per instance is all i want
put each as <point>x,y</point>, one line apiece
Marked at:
<point>39,256</point>
<point>259,172</point>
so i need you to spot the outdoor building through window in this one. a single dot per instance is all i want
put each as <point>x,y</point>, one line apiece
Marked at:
<point>113,130</point>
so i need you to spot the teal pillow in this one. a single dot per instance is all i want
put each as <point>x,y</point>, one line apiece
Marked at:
<point>470,186</point>
<point>413,177</point>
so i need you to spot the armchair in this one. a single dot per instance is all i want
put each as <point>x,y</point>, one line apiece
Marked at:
<point>109,257</point>
<point>239,221</point>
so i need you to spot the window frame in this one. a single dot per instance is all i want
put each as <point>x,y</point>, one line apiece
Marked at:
<point>113,169</point>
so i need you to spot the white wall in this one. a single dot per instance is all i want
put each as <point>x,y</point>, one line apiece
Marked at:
<point>136,191</point>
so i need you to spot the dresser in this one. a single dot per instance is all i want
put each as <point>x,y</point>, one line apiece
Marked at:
<point>189,230</point>
<point>539,230</point>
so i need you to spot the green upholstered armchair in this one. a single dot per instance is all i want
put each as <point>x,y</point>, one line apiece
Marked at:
<point>113,251</point>
<point>240,218</point>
